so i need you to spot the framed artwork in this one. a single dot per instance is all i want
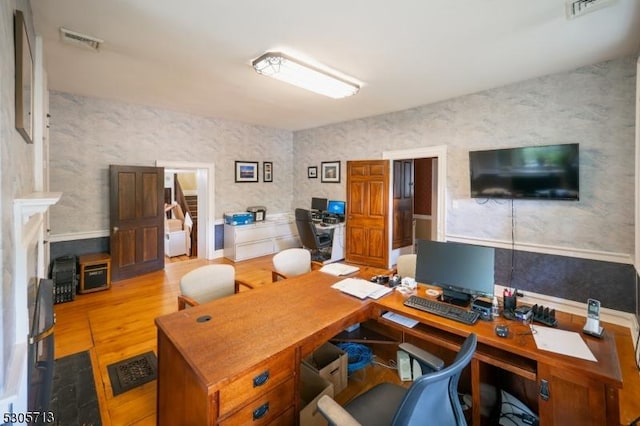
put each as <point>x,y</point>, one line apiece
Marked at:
<point>267,171</point>
<point>330,171</point>
<point>246,171</point>
<point>312,172</point>
<point>24,78</point>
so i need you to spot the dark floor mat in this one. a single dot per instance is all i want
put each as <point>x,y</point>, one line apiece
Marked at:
<point>74,400</point>
<point>132,372</point>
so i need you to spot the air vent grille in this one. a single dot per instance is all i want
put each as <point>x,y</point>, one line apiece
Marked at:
<point>78,39</point>
<point>577,8</point>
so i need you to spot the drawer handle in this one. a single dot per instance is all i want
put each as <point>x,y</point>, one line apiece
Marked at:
<point>261,411</point>
<point>261,379</point>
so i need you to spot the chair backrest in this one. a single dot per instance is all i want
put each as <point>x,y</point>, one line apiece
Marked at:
<point>292,262</point>
<point>434,397</point>
<point>406,265</point>
<point>208,282</point>
<point>306,229</point>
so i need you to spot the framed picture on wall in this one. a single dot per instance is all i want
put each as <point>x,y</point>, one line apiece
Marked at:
<point>267,171</point>
<point>330,171</point>
<point>24,78</point>
<point>246,171</point>
<point>312,172</point>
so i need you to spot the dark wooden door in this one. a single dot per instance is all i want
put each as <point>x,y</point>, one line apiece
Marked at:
<point>367,240</point>
<point>137,220</point>
<point>402,203</point>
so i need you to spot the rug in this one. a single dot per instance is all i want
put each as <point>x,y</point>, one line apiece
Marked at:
<point>132,372</point>
<point>74,400</point>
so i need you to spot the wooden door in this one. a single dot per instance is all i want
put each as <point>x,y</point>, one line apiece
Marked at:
<point>137,220</point>
<point>402,203</point>
<point>367,236</point>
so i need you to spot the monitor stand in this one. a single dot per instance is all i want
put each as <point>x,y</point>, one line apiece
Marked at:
<point>455,297</point>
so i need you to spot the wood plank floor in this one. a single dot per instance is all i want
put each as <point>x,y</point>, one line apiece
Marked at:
<point>118,323</point>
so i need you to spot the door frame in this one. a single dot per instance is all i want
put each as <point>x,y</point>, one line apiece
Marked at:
<point>205,179</point>
<point>440,153</point>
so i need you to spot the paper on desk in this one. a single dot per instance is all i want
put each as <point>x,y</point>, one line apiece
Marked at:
<point>361,288</point>
<point>562,342</point>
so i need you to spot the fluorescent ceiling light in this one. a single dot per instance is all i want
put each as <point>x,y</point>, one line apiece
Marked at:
<point>289,70</point>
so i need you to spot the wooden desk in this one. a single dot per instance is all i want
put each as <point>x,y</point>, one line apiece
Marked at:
<point>226,361</point>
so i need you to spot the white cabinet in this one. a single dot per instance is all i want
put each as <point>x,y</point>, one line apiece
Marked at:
<point>175,243</point>
<point>260,238</point>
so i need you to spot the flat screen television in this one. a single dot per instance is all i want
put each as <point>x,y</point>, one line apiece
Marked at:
<point>534,172</point>
<point>336,207</point>
<point>463,271</point>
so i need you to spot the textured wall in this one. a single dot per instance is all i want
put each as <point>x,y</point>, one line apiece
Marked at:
<point>593,106</point>
<point>16,164</point>
<point>88,134</point>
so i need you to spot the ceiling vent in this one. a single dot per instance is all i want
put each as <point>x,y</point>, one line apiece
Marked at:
<point>78,39</point>
<point>577,8</point>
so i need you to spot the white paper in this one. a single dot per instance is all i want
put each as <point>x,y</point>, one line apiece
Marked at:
<point>399,319</point>
<point>562,342</point>
<point>339,269</point>
<point>361,288</point>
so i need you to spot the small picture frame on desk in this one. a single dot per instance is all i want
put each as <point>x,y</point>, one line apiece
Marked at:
<point>267,171</point>
<point>330,171</point>
<point>246,171</point>
<point>312,172</point>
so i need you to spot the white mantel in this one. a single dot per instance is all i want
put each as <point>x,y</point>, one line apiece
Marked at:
<point>29,233</point>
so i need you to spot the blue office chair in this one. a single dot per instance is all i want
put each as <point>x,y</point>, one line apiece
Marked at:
<point>316,242</point>
<point>431,399</point>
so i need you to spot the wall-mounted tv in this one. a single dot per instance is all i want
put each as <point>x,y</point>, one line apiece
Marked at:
<point>535,172</point>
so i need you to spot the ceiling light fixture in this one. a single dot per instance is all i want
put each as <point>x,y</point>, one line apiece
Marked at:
<point>292,71</point>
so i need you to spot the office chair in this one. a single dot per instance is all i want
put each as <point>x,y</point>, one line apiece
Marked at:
<point>431,399</point>
<point>311,239</point>
<point>207,283</point>
<point>290,263</point>
<point>406,265</point>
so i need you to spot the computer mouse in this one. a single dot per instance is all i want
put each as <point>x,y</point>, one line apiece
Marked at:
<point>502,330</point>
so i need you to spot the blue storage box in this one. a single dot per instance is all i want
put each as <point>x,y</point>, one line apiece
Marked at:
<point>240,218</point>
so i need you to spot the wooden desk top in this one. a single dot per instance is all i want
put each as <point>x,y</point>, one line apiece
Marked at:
<point>305,312</point>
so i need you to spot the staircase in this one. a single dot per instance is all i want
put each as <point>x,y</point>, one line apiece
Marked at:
<point>192,203</point>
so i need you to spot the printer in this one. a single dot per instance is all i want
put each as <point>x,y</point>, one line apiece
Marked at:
<point>259,213</point>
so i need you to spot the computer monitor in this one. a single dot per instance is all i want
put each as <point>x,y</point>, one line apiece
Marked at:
<point>319,204</point>
<point>336,207</point>
<point>463,271</point>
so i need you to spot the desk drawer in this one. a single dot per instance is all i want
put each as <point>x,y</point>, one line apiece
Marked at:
<point>266,408</point>
<point>258,381</point>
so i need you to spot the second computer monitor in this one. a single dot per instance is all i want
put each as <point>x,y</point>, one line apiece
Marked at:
<point>336,207</point>
<point>319,204</point>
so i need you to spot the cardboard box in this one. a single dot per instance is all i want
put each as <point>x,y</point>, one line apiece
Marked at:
<point>312,388</point>
<point>330,362</point>
<point>240,218</point>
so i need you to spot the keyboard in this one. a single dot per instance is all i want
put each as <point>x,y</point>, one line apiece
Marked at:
<point>445,310</point>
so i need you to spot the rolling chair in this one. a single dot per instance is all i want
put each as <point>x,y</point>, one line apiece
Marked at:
<point>431,399</point>
<point>290,263</point>
<point>316,242</point>
<point>207,283</point>
<point>406,265</point>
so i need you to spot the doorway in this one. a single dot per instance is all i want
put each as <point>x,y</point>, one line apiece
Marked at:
<point>205,188</point>
<point>433,226</point>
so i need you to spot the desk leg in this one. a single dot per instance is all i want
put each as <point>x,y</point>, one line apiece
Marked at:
<point>475,391</point>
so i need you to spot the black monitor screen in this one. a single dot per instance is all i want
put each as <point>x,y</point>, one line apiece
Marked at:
<point>462,268</point>
<point>336,207</point>
<point>318,204</point>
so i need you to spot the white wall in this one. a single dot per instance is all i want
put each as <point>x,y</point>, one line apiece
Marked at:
<point>593,106</point>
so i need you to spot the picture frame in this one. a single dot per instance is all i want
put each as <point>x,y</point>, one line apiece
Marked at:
<point>330,171</point>
<point>267,171</point>
<point>246,171</point>
<point>24,78</point>
<point>312,172</point>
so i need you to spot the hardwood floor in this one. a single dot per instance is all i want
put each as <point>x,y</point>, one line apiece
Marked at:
<point>118,323</point>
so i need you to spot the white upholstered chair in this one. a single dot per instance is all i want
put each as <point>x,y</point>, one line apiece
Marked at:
<point>290,263</point>
<point>207,283</point>
<point>406,265</point>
